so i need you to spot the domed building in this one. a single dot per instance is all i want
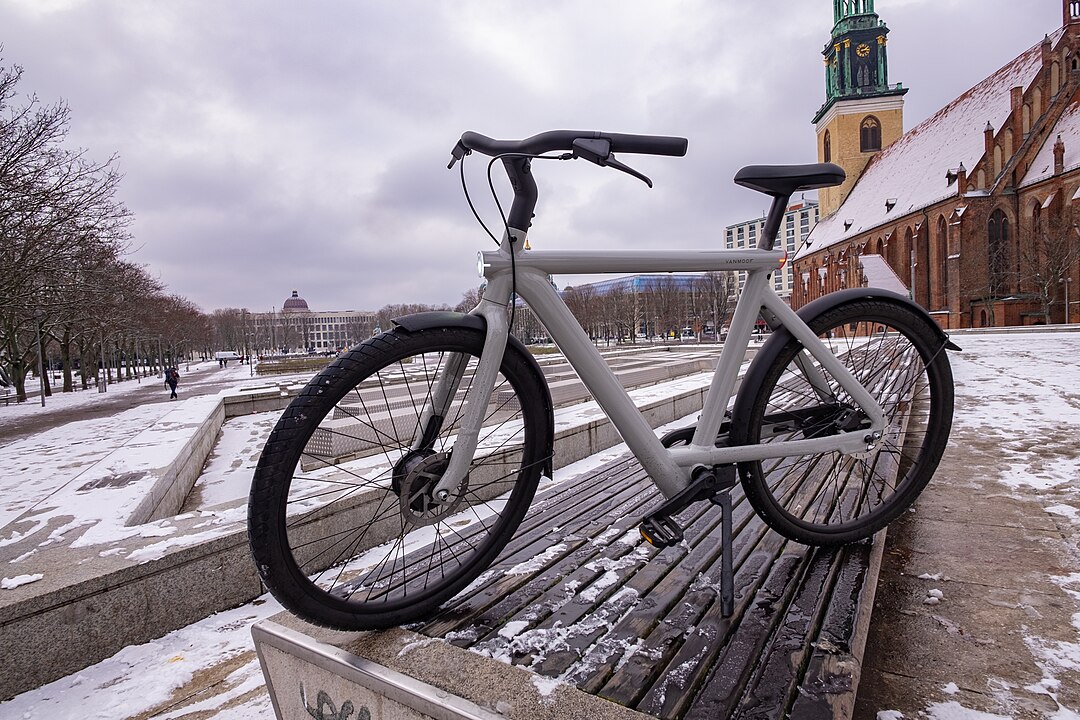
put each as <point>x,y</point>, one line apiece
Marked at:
<point>298,328</point>
<point>295,304</point>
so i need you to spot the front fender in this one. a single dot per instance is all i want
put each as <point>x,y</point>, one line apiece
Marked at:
<point>439,318</point>
<point>445,318</point>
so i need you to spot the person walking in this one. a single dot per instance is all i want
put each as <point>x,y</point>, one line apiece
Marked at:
<point>172,377</point>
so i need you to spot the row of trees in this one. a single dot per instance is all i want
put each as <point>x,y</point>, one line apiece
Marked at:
<point>64,285</point>
<point>661,306</point>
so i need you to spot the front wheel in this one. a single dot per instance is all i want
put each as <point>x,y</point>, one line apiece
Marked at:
<point>830,498</point>
<point>344,525</point>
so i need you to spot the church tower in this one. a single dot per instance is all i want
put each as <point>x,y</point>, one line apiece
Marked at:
<point>862,113</point>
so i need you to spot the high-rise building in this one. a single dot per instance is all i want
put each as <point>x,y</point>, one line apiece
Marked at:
<point>799,220</point>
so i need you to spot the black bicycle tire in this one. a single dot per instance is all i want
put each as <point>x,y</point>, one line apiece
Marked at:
<point>267,505</point>
<point>754,398</point>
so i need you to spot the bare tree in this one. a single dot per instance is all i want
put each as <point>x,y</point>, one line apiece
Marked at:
<point>664,303</point>
<point>228,326</point>
<point>1045,263</point>
<point>469,299</point>
<point>580,301</point>
<point>57,208</point>
<point>621,310</point>
<point>716,291</point>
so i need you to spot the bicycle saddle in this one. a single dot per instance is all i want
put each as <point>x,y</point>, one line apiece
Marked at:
<point>783,180</point>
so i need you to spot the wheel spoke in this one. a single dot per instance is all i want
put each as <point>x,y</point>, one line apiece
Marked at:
<point>359,522</point>
<point>828,497</point>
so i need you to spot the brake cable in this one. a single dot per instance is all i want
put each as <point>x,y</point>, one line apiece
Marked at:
<point>502,214</point>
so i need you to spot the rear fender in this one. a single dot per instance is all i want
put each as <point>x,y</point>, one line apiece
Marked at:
<point>765,357</point>
<point>841,297</point>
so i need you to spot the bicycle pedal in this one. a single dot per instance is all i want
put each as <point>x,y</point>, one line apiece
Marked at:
<point>661,531</point>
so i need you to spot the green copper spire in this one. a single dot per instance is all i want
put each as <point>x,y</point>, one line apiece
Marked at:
<point>856,59</point>
<point>846,8</point>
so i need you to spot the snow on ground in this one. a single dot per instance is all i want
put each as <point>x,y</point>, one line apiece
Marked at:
<point>1031,417</point>
<point>1019,393</point>
<point>34,468</point>
<point>1027,405</point>
<point>150,678</point>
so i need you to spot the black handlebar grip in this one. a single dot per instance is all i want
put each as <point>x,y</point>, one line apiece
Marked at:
<point>647,144</point>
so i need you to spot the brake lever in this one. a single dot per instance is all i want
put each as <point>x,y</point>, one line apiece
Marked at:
<point>598,152</point>
<point>613,163</point>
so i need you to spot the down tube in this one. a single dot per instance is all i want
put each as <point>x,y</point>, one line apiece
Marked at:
<point>535,288</point>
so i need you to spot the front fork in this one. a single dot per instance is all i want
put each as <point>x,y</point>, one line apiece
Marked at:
<point>493,308</point>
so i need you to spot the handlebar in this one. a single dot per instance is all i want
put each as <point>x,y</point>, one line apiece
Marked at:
<point>555,140</point>
<point>596,147</point>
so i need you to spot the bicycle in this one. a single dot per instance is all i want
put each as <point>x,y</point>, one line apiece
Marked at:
<point>403,468</point>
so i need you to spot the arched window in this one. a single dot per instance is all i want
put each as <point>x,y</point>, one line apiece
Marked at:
<point>1027,119</point>
<point>907,259</point>
<point>925,273</point>
<point>941,265</point>
<point>997,248</point>
<point>880,247</point>
<point>862,74</point>
<point>1036,246</point>
<point>870,134</point>
<point>1074,8</point>
<point>826,152</point>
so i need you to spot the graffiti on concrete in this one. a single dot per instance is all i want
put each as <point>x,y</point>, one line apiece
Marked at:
<point>326,709</point>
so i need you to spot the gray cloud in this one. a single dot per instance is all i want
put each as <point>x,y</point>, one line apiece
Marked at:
<point>269,146</point>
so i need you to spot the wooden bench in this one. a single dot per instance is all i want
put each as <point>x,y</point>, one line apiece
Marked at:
<point>580,597</point>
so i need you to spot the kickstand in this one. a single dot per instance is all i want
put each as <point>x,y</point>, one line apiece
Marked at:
<point>727,572</point>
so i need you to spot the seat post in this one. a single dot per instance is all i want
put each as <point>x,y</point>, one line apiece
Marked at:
<point>772,221</point>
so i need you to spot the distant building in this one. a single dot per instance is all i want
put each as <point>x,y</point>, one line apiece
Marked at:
<point>973,213</point>
<point>799,220</point>
<point>296,328</point>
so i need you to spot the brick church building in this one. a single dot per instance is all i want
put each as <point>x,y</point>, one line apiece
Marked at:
<point>973,213</point>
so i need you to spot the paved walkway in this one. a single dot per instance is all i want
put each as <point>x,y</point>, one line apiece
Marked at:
<point>996,535</point>
<point>18,421</point>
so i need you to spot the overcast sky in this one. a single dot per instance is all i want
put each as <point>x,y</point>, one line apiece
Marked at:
<point>273,146</point>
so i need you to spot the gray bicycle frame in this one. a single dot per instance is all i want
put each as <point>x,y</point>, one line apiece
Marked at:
<point>669,468</point>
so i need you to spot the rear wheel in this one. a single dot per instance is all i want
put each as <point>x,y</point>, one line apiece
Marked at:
<point>831,498</point>
<point>344,525</point>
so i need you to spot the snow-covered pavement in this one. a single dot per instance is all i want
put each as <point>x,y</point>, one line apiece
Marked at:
<point>1019,391</point>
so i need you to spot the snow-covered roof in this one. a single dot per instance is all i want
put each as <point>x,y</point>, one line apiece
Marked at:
<point>879,274</point>
<point>913,169</point>
<point>1068,127</point>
